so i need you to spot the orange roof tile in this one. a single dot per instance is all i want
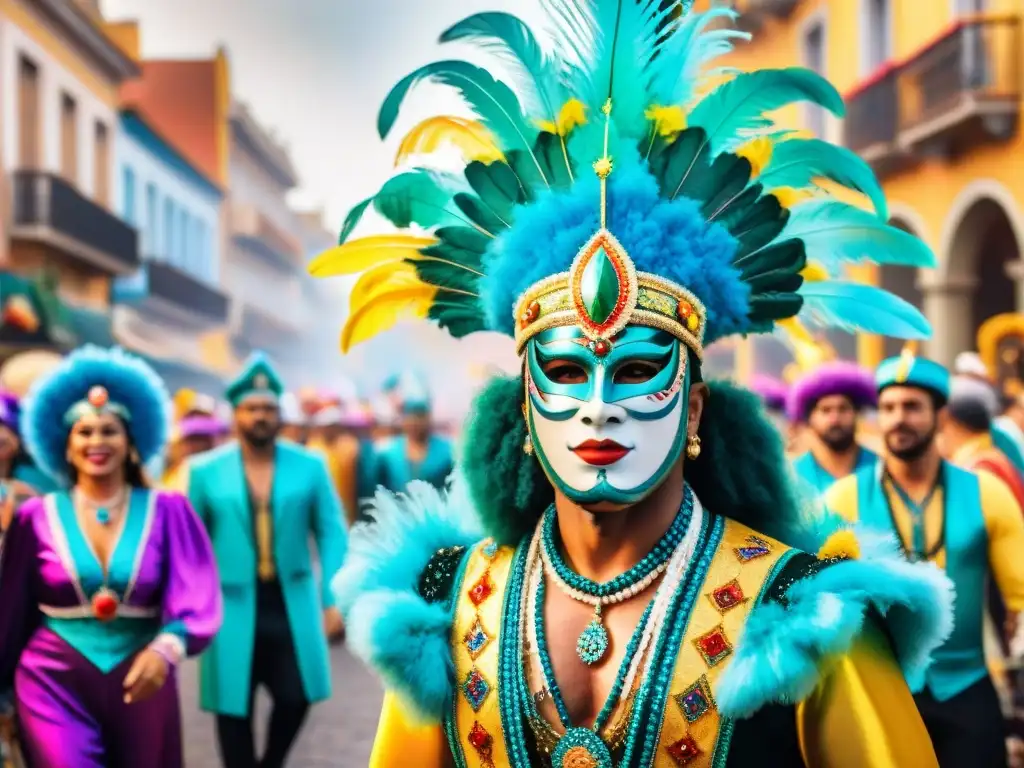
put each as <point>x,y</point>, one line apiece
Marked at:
<point>178,100</point>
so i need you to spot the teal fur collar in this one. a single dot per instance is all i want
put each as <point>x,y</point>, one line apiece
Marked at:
<point>391,628</point>
<point>785,649</point>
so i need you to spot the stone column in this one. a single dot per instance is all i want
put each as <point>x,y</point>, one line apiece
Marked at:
<point>1015,271</point>
<point>947,305</point>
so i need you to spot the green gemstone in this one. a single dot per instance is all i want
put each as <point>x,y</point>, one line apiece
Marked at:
<point>600,287</point>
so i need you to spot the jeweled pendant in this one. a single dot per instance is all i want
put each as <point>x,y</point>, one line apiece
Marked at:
<point>581,748</point>
<point>592,644</point>
<point>103,516</point>
<point>104,605</point>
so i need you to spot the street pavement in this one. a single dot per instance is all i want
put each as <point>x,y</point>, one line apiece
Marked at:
<point>337,734</point>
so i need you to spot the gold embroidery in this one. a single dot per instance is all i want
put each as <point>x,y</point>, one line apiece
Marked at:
<point>265,542</point>
<point>691,722</point>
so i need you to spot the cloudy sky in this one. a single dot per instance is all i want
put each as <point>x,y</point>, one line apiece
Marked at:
<point>315,72</point>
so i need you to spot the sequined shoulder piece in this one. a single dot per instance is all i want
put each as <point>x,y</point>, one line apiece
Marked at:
<point>816,608</point>
<point>395,586</point>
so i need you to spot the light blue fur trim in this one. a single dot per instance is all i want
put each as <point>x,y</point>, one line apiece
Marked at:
<point>391,628</point>
<point>785,649</point>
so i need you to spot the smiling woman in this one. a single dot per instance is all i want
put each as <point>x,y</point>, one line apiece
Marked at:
<point>103,588</point>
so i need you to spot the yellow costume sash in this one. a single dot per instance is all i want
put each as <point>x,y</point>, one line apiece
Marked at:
<point>693,733</point>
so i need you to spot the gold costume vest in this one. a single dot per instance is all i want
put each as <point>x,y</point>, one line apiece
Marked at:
<point>692,733</point>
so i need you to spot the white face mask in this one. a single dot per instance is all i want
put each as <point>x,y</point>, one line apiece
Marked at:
<point>607,428</point>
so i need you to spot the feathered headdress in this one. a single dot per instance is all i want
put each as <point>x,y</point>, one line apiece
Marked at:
<point>622,179</point>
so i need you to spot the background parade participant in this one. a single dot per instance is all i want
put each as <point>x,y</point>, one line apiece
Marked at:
<point>968,524</point>
<point>419,453</point>
<point>20,479</point>
<point>635,604</point>
<point>263,499</point>
<point>1006,431</point>
<point>827,401</point>
<point>104,588</point>
<point>294,422</point>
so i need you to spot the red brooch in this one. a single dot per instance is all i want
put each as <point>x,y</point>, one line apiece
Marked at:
<point>98,397</point>
<point>481,590</point>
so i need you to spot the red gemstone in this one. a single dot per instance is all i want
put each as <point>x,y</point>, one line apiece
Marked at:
<point>481,590</point>
<point>531,313</point>
<point>480,739</point>
<point>602,347</point>
<point>684,310</point>
<point>104,606</point>
<point>97,397</point>
<point>728,596</point>
<point>714,644</point>
<point>684,751</point>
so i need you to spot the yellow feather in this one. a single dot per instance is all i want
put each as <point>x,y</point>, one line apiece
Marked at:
<point>573,113</point>
<point>469,136</point>
<point>668,120</point>
<point>759,152</point>
<point>790,196</point>
<point>840,544</point>
<point>366,252</point>
<point>383,276</point>
<point>384,311</point>
<point>814,272</point>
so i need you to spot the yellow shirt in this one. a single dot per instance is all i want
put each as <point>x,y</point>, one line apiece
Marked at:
<point>1004,524</point>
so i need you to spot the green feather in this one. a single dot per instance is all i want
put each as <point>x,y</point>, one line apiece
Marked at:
<point>497,186</point>
<point>682,167</point>
<point>798,162</point>
<point>464,238</point>
<point>352,219</point>
<point>459,318</point>
<point>740,104</point>
<point>527,173</point>
<point>768,307</point>
<point>788,255</point>
<point>775,280</point>
<point>444,275</point>
<point>551,151</point>
<point>419,197</point>
<point>835,233</point>
<point>480,214</point>
<point>761,224</point>
<point>728,177</point>
<point>447,252</point>
<point>493,101</point>
<point>735,209</point>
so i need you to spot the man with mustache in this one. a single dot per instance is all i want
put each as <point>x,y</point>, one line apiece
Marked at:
<point>263,499</point>
<point>827,402</point>
<point>968,524</point>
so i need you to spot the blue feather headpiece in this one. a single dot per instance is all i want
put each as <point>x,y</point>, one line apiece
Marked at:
<point>622,179</point>
<point>92,379</point>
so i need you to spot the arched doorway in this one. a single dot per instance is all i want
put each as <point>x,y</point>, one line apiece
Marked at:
<point>982,248</point>
<point>901,281</point>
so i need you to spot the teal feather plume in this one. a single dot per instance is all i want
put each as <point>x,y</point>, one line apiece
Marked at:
<point>515,43</point>
<point>684,55</point>
<point>855,307</point>
<point>740,104</point>
<point>352,219</point>
<point>834,233</point>
<point>420,196</point>
<point>497,186</point>
<point>798,162</point>
<point>480,214</point>
<point>493,102</point>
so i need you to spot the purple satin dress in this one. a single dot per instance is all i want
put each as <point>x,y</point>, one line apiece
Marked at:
<point>67,669</point>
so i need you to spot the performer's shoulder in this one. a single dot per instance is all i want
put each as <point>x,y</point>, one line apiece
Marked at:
<point>203,461</point>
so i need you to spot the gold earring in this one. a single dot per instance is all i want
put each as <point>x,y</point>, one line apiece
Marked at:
<point>693,447</point>
<point>528,445</point>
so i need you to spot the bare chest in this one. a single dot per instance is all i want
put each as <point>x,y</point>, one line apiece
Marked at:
<point>584,688</point>
<point>260,479</point>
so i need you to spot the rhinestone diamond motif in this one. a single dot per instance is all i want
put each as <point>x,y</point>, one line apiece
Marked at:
<point>695,701</point>
<point>728,596</point>
<point>476,689</point>
<point>482,589</point>
<point>714,646</point>
<point>476,639</point>
<point>684,751</point>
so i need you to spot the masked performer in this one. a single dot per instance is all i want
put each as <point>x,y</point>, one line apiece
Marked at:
<point>106,587</point>
<point>969,524</point>
<point>828,401</point>
<point>264,499</point>
<point>639,600</point>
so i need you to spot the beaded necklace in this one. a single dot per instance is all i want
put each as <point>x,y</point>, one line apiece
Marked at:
<point>580,742</point>
<point>592,644</point>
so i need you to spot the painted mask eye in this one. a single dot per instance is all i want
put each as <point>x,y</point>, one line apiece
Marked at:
<point>639,371</point>
<point>565,372</point>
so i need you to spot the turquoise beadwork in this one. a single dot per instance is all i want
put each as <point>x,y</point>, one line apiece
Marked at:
<point>581,746</point>
<point>102,515</point>
<point>592,644</point>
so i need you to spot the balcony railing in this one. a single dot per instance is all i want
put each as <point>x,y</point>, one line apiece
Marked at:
<point>253,228</point>
<point>48,209</point>
<point>969,78</point>
<point>179,288</point>
<point>962,89</point>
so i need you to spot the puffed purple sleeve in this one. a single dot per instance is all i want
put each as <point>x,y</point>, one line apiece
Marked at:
<point>192,609</point>
<point>19,610</point>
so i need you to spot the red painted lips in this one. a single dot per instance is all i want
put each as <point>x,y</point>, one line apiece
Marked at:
<point>600,453</point>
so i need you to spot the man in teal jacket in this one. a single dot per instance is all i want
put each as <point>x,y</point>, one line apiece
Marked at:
<point>262,499</point>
